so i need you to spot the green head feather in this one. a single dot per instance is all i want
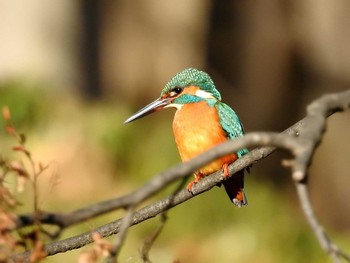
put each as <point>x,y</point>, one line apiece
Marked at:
<point>192,77</point>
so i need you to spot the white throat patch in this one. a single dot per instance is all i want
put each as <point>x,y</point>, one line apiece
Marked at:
<point>204,94</point>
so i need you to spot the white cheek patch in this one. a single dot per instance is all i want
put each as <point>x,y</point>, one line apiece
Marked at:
<point>204,94</point>
<point>174,105</point>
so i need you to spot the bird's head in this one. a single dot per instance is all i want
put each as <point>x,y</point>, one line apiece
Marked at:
<point>188,86</point>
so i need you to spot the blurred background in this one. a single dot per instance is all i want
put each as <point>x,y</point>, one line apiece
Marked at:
<point>73,71</point>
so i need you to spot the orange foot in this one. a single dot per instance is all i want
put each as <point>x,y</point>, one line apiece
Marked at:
<point>225,169</point>
<point>197,177</point>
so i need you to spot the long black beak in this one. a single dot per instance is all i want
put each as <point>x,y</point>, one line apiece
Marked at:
<point>154,106</point>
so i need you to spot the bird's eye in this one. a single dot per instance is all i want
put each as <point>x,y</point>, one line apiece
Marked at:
<point>175,91</point>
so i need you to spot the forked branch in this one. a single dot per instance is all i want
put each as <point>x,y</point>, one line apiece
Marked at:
<point>301,140</point>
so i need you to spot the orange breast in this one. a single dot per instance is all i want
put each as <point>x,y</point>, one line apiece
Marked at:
<point>197,129</point>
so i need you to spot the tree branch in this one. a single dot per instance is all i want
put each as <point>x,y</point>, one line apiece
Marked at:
<point>307,135</point>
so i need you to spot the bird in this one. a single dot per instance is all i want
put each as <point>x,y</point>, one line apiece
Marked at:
<point>201,122</point>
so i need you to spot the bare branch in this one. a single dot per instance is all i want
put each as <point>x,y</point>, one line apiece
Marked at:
<point>317,228</point>
<point>161,180</point>
<point>308,133</point>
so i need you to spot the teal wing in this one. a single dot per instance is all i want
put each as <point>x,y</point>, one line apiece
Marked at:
<point>230,123</point>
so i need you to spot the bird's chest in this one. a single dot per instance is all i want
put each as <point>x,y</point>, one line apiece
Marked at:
<point>196,129</point>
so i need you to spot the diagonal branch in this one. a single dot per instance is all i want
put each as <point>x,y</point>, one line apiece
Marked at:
<point>157,183</point>
<point>308,133</point>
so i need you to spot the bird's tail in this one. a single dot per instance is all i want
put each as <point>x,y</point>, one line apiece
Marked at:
<point>234,188</point>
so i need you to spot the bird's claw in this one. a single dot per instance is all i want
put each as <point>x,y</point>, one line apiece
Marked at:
<point>225,170</point>
<point>196,180</point>
<point>190,186</point>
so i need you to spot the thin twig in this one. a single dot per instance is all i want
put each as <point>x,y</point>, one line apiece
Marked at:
<point>147,245</point>
<point>317,228</point>
<point>124,227</point>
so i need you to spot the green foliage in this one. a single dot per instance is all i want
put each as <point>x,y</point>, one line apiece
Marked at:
<point>28,103</point>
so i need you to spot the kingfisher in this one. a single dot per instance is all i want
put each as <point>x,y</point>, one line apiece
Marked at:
<point>201,122</point>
